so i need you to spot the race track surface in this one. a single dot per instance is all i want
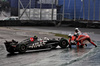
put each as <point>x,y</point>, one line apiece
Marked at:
<point>88,56</point>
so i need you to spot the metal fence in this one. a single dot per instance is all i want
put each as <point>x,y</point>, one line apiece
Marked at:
<point>59,9</point>
<point>80,9</point>
<point>37,9</point>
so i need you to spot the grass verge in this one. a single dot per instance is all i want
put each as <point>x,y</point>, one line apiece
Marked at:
<point>60,35</point>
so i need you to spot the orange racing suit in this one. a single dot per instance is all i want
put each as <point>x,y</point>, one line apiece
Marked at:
<point>83,37</point>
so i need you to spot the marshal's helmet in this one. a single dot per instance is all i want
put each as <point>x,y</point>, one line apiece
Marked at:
<point>76,29</point>
<point>69,35</point>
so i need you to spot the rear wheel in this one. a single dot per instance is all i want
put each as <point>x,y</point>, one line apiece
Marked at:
<point>22,48</point>
<point>63,43</point>
<point>10,50</point>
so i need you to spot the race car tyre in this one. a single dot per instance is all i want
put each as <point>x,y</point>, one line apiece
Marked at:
<point>22,48</point>
<point>10,50</point>
<point>63,43</point>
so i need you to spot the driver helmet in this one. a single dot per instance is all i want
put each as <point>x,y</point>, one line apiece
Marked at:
<point>35,37</point>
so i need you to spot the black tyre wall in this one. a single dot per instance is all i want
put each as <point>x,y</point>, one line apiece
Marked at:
<point>63,43</point>
<point>22,48</point>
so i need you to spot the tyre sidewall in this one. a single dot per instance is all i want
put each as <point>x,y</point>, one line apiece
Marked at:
<point>63,43</point>
<point>22,48</point>
<point>10,50</point>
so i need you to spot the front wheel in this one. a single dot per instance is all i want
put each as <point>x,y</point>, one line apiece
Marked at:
<point>63,43</point>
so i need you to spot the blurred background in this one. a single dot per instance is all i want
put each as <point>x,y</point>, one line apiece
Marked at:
<point>57,10</point>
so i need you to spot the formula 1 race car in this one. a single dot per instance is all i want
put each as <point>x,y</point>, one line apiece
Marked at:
<point>80,40</point>
<point>34,43</point>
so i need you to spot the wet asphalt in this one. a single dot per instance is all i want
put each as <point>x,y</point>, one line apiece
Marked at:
<point>88,56</point>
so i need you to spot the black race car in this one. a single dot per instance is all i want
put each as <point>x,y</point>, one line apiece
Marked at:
<point>34,43</point>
